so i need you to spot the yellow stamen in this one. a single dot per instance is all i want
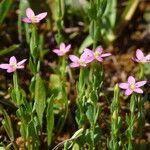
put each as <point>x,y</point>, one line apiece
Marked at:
<point>132,86</point>
<point>33,20</point>
<point>96,54</point>
<point>13,65</point>
<point>81,61</point>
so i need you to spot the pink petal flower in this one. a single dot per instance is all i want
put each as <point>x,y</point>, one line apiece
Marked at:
<point>62,49</point>
<point>32,18</point>
<point>131,80</point>
<point>124,85</point>
<point>140,58</point>
<point>29,13</point>
<point>128,92</point>
<point>132,86</point>
<point>13,65</point>
<point>41,16</point>
<point>138,90</point>
<point>140,83</point>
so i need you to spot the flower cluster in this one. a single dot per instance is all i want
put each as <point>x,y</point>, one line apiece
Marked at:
<point>87,57</point>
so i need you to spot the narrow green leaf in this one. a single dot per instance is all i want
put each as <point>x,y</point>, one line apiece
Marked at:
<point>50,120</point>
<point>40,98</point>
<point>22,7</point>
<point>8,49</point>
<point>4,8</point>
<point>86,43</point>
<point>7,124</point>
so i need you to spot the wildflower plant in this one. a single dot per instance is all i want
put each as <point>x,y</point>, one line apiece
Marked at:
<point>43,108</point>
<point>131,88</point>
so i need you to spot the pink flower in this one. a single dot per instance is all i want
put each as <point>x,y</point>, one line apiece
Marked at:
<point>82,61</point>
<point>32,18</point>
<point>132,86</point>
<point>13,65</point>
<point>62,49</point>
<point>140,58</point>
<point>98,54</point>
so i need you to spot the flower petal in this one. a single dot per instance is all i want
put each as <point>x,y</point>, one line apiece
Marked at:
<point>124,85</point>
<point>106,55</point>
<point>99,49</point>
<point>20,67</point>
<point>135,59</point>
<point>12,60</point>
<point>88,52</point>
<point>41,16</point>
<point>57,51</point>
<point>99,59</point>
<point>21,62</point>
<point>73,58</point>
<point>139,54</point>
<point>27,20</point>
<point>138,90</point>
<point>148,57</point>
<point>131,80</point>
<point>4,66</point>
<point>73,65</point>
<point>62,46</point>
<point>140,83</point>
<point>67,49</point>
<point>11,70</point>
<point>29,13</point>
<point>128,92</point>
<point>87,56</point>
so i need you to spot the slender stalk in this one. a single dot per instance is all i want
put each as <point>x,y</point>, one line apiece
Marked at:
<point>115,121</point>
<point>16,88</point>
<point>131,121</point>
<point>141,72</point>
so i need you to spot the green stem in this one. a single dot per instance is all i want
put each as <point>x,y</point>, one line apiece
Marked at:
<point>16,88</point>
<point>132,121</point>
<point>141,73</point>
